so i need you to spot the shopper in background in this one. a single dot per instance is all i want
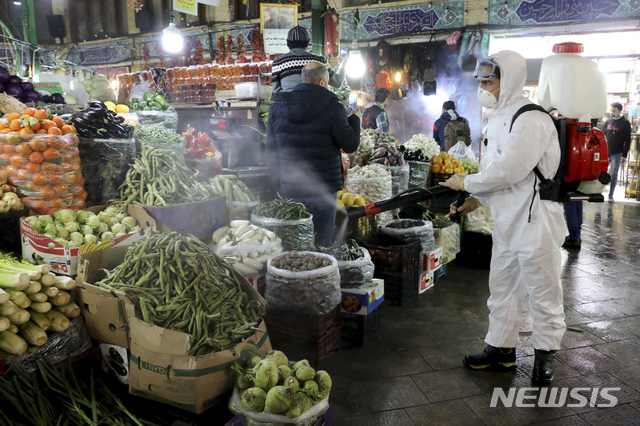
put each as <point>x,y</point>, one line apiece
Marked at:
<point>307,128</point>
<point>375,116</point>
<point>526,257</point>
<point>457,126</point>
<point>618,132</point>
<point>287,69</point>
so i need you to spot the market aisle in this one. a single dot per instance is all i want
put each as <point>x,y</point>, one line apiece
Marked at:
<point>412,373</point>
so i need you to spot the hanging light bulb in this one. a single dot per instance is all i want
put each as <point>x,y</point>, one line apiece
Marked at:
<point>171,37</point>
<point>355,66</point>
<point>398,76</point>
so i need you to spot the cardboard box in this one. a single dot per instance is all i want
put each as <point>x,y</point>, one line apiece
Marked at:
<point>37,248</point>
<point>364,299</point>
<point>199,219</point>
<point>431,261</point>
<point>426,282</point>
<point>159,365</point>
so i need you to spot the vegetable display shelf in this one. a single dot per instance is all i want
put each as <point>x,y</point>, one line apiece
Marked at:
<point>359,329</point>
<point>301,336</point>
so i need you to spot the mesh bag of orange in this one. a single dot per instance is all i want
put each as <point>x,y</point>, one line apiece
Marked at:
<point>41,159</point>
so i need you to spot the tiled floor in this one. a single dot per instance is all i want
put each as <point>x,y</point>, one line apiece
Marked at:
<point>411,373</point>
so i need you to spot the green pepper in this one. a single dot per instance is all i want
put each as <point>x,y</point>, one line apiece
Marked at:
<point>147,96</point>
<point>159,99</point>
<point>142,104</point>
<point>155,106</point>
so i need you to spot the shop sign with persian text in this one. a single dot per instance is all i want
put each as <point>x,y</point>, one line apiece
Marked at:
<point>523,12</point>
<point>113,52</point>
<point>376,23</point>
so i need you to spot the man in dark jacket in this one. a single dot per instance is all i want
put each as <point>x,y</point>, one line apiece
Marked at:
<point>449,114</point>
<point>618,132</point>
<point>307,128</point>
<point>375,116</point>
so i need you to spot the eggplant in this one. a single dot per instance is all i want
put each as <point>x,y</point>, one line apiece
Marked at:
<point>97,104</point>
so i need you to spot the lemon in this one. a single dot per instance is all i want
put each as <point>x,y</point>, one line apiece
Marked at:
<point>340,204</point>
<point>359,201</point>
<point>110,106</point>
<point>447,162</point>
<point>448,170</point>
<point>347,199</point>
<point>122,108</point>
<point>443,155</point>
<point>457,170</point>
<point>342,191</point>
<point>436,168</point>
<point>437,160</point>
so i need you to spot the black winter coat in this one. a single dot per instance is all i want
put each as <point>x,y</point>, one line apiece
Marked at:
<point>307,128</point>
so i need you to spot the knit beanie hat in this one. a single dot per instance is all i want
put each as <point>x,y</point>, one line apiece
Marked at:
<point>298,33</point>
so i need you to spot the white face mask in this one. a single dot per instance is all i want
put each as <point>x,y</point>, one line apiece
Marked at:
<point>615,114</point>
<point>487,99</point>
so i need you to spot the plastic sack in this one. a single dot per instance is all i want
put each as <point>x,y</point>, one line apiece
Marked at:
<point>423,232</point>
<point>207,167</point>
<point>258,253</point>
<point>295,234</point>
<point>166,119</point>
<point>361,156</point>
<point>140,88</point>
<point>462,152</point>
<point>315,292</point>
<point>449,239</point>
<point>399,178</point>
<point>480,220</point>
<point>418,174</point>
<point>355,272</point>
<point>251,418</point>
<point>239,210</point>
<point>372,189</point>
<point>105,163</point>
<point>59,346</point>
<point>45,169</point>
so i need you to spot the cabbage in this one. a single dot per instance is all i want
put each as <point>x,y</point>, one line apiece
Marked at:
<point>118,228</point>
<point>61,241</point>
<point>74,244</point>
<point>93,221</point>
<point>65,216</point>
<point>138,229</point>
<point>86,230</point>
<point>83,215</point>
<point>118,235</point>
<point>51,229</point>
<point>324,381</point>
<point>71,226</point>
<point>278,357</point>
<point>102,228</point>
<point>129,222</point>
<point>283,372</point>
<point>113,221</point>
<point>35,223</point>
<point>70,100</point>
<point>265,374</point>
<point>103,216</point>
<point>112,211</point>
<point>52,236</point>
<point>45,219</point>
<point>106,236</point>
<point>61,231</point>
<point>253,399</point>
<point>305,373</point>
<point>90,239</point>
<point>76,237</point>
<point>278,400</point>
<point>120,216</point>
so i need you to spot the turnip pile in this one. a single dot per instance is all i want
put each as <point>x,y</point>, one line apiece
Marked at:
<point>276,386</point>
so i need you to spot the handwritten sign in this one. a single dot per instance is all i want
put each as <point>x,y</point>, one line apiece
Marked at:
<point>186,6</point>
<point>528,12</point>
<point>275,41</point>
<point>53,87</point>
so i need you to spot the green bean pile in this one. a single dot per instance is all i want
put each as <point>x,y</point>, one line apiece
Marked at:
<point>157,135</point>
<point>177,283</point>
<point>282,209</point>
<point>160,177</point>
<point>273,215</point>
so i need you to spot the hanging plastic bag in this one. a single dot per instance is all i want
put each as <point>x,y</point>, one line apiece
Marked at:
<point>462,152</point>
<point>449,239</point>
<point>315,292</point>
<point>480,220</point>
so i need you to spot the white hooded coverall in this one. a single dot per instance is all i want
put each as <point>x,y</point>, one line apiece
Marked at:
<point>528,232</point>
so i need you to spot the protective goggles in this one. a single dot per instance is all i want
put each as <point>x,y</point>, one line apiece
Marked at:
<point>484,64</point>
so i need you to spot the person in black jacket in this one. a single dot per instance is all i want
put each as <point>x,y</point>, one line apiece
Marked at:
<point>375,116</point>
<point>307,128</point>
<point>618,132</point>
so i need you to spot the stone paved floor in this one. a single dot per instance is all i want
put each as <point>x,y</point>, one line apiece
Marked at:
<point>411,372</point>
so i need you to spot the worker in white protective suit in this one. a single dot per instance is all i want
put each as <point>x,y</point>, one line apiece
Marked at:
<point>528,232</point>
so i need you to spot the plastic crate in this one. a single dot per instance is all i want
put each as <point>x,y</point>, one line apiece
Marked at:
<point>391,254</point>
<point>359,329</point>
<point>299,324</point>
<point>400,288</point>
